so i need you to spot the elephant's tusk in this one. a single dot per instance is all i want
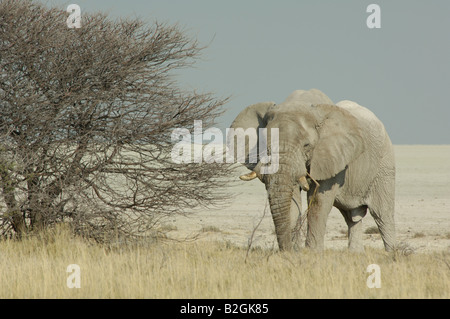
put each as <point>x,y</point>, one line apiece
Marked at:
<point>248,177</point>
<point>304,183</point>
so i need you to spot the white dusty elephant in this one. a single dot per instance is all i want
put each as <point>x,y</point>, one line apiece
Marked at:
<point>343,150</point>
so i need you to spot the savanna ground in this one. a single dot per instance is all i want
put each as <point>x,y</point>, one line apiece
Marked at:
<point>230,252</point>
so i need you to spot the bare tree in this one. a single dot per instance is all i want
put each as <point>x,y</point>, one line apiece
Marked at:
<point>86,117</point>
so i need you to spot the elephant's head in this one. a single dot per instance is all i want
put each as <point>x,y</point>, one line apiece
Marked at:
<point>315,140</point>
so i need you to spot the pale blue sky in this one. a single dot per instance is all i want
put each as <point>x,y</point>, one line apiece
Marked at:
<point>263,50</point>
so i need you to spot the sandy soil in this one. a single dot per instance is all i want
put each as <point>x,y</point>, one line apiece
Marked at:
<point>422,209</point>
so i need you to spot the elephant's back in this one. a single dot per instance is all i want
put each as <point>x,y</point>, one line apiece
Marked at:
<point>375,133</point>
<point>360,112</point>
<point>368,120</point>
<point>312,96</point>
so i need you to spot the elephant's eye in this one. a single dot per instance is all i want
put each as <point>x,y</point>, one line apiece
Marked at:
<point>306,145</point>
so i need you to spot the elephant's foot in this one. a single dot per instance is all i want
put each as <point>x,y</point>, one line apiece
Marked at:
<point>314,243</point>
<point>356,248</point>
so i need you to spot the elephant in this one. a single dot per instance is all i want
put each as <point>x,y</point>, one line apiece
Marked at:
<point>340,154</point>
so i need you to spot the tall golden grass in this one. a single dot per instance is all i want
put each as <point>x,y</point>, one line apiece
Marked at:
<point>36,267</point>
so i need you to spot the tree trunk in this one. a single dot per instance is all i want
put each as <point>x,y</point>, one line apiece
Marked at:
<point>17,219</point>
<point>35,208</point>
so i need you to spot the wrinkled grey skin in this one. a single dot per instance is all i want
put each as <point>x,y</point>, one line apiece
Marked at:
<point>344,147</point>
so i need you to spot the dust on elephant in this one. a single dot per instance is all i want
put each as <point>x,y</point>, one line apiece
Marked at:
<point>341,155</point>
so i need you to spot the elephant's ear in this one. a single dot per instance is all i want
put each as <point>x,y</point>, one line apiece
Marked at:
<point>340,142</point>
<point>252,117</point>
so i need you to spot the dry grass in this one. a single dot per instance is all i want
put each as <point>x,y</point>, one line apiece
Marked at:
<point>36,268</point>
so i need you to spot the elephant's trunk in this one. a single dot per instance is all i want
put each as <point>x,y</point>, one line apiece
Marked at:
<point>280,188</point>
<point>280,197</point>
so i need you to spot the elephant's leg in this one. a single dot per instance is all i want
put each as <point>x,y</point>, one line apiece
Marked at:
<point>353,218</point>
<point>296,218</point>
<point>385,222</point>
<point>382,207</point>
<point>320,204</point>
